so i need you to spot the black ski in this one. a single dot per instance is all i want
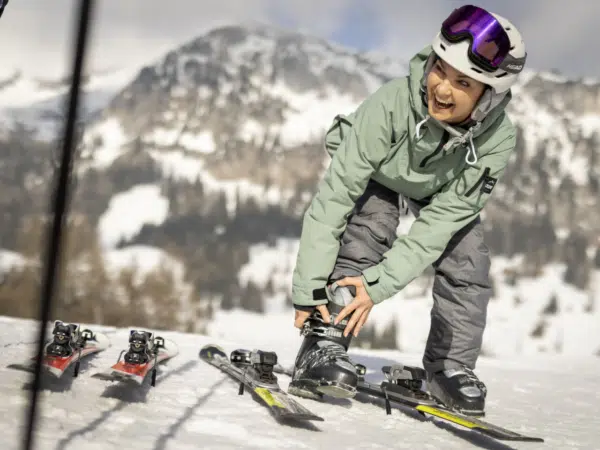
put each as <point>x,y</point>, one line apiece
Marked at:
<point>254,371</point>
<point>403,386</point>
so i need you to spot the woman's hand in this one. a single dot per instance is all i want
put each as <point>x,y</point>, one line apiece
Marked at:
<point>301,316</point>
<point>360,307</point>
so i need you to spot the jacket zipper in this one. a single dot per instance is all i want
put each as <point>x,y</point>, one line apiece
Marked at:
<point>439,148</point>
<point>483,176</point>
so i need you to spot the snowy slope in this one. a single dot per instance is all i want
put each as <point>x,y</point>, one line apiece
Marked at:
<point>195,406</point>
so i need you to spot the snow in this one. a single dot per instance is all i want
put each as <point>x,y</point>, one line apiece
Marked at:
<point>310,113</point>
<point>202,142</point>
<point>129,211</point>
<point>144,258</point>
<point>164,137</point>
<point>178,165</point>
<point>111,137</point>
<point>10,260</point>
<point>589,123</point>
<point>252,130</point>
<point>545,128</point>
<point>29,100</point>
<point>271,263</point>
<point>195,405</point>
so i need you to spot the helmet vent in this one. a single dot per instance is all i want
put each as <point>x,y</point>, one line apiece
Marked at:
<point>502,75</point>
<point>443,46</point>
<point>474,69</point>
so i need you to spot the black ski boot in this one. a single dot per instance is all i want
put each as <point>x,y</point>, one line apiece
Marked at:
<point>64,341</point>
<point>459,390</point>
<point>322,366</point>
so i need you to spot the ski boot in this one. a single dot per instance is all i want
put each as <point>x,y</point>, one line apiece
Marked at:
<point>458,389</point>
<point>322,365</point>
<point>65,339</point>
<point>141,347</point>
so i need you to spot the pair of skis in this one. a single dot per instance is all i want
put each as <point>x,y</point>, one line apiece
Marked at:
<point>256,372</point>
<point>70,345</point>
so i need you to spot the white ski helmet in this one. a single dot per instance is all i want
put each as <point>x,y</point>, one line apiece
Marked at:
<point>500,80</point>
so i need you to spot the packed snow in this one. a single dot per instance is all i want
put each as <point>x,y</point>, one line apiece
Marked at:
<point>194,405</point>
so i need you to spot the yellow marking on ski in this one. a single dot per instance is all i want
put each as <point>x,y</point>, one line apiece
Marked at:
<point>268,397</point>
<point>449,416</point>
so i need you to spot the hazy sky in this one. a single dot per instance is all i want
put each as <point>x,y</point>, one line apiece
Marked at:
<point>37,33</point>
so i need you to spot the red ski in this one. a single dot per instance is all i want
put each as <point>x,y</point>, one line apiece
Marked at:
<point>69,346</point>
<point>145,353</point>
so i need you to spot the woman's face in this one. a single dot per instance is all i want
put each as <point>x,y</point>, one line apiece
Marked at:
<point>451,94</point>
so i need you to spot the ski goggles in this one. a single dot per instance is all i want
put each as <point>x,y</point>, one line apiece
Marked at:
<point>490,44</point>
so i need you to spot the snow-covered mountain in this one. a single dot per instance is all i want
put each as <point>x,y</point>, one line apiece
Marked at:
<point>212,153</point>
<point>41,103</point>
<point>194,405</point>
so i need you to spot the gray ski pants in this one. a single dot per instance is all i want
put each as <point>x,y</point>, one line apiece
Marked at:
<point>461,289</point>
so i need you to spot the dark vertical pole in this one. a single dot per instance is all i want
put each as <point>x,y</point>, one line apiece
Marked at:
<point>3,4</point>
<point>59,203</point>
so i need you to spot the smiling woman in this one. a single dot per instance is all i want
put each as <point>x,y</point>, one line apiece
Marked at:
<point>452,94</point>
<point>440,139</point>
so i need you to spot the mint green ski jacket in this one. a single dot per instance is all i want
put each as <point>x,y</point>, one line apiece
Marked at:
<point>391,139</point>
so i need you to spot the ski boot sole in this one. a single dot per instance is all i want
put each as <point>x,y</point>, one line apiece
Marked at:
<point>336,391</point>
<point>304,393</point>
<point>316,391</point>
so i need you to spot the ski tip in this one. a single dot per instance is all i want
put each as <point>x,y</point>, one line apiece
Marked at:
<point>211,350</point>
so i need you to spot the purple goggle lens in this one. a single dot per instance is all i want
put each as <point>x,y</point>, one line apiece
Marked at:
<point>490,43</point>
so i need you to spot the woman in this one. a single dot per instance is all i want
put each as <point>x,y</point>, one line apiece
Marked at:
<point>440,139</point>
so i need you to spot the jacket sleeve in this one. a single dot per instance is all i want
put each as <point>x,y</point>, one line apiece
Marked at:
<point>455,206</point>
<point>358,156</point>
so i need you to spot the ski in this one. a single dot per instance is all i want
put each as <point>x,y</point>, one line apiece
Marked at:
<point>403,386</point>
<point>254,371</point>
<point>141,359</point>
<point>69,345</point>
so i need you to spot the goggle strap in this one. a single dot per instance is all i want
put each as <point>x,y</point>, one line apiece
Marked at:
<point>513,65</point>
